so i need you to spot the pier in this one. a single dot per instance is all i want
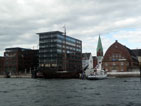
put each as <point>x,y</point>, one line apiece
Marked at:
<point>124,74</point>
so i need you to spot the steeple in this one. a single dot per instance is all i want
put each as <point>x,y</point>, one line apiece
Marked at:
<point>99,47</point>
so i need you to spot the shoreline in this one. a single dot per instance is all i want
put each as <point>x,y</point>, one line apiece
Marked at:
<point>109,74</point>
<point>123,74</point>
<point>18,76</point>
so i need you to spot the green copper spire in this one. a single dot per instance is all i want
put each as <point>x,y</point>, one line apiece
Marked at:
<point>99,47</point>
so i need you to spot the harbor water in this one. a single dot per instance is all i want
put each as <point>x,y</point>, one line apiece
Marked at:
<point>70,92</point>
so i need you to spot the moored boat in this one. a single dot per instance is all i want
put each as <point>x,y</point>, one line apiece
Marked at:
<point>100,74</point>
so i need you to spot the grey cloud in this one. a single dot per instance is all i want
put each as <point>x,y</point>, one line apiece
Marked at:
<point>83,18</point>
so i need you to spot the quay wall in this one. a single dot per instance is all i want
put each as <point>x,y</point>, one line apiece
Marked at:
<point>123,74</point>
<point>18,76</point>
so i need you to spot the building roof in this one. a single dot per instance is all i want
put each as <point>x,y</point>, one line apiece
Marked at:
<point>51,32</point>
<point>134,57</point>
<point>15,49</point>
<point>86,56</point>
<point>118,47</point>
<point>137,52</point>
<point>57,32</point>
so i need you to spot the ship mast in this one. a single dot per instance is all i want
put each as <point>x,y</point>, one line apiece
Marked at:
<point>65,55</point>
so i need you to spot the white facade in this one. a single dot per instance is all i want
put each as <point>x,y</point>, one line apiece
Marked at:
<point>88,62</point>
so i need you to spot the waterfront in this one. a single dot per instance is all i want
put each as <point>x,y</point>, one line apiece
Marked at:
<point>70,92</point>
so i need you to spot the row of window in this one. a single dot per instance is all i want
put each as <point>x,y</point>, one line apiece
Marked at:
<point>59,51</point>
<point>48,65</point>
<point>47,36</point>
<point>68,39</point>
<point>47,42</point>
<point>117,56</point>
<point>121,63</point>
<point>59,46</point>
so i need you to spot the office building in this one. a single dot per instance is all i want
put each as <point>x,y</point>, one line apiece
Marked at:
<point>59,55</point>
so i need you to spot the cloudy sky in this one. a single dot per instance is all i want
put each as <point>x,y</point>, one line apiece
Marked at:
<point>120,20</point>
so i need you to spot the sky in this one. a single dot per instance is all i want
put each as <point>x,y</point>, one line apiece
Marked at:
<point>120,20</point>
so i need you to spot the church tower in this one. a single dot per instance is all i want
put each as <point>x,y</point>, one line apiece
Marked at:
<point>99,50</point>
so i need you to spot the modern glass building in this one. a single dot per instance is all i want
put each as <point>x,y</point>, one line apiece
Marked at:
<point>59,53</point>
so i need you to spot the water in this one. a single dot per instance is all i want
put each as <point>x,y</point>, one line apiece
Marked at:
<point>70,92</point>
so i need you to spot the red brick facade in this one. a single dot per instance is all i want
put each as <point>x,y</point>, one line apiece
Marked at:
<point>119,58</point>
<point>20,60</point>
<point>1,65</point>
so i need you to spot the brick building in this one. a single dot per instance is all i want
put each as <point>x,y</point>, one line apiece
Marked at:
<point>95,61</point>
<point>1,65</point>
<point>138,54</point>
<point>119,58</point>
<point>20,60</point>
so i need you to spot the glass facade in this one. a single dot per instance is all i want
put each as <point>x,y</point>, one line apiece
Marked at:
<point>63,53</point>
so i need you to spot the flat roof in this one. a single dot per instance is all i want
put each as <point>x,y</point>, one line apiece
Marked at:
<point>53,32</point>
<point>50,32</point>
<point>17,48</point>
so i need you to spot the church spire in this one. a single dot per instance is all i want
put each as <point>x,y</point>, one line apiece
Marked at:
<point>99,47</point>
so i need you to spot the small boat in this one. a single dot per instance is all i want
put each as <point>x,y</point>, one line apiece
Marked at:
<point>100,74</point>
<point>97,73</point>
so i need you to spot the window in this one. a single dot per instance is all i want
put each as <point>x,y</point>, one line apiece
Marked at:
<point>122,63</point>
<point>54,65</point>
<point>60,36</point>
<point>41,65</point>
<point>113,56</point>
<point>106,64</point>
<point>122,69</point>
<point>47,65</point>
<point>58,45</point>
<point>114,63</point>
<point>59,50</point>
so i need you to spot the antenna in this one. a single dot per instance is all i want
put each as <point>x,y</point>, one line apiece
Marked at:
<point>64,30</point>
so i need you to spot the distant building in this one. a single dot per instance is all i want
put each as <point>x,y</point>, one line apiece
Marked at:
<point>99,51</point>
<point>1,65</point>
<point>95,61</point>
<point>138,54</point>
<point>59,55</point>
<point>87,61</point>
<point>20,60</point>
<point>119,58</point>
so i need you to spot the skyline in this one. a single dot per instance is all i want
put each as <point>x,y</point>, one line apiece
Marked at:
<point>85,20</point>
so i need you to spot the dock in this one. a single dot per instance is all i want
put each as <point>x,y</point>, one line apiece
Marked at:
<point>17,76</point>
<point>124,74</point>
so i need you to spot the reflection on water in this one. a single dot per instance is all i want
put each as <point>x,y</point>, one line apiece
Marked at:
<point>70,92</point>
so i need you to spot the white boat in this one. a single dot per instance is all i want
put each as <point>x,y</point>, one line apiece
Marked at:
<point>100,74</point>
<point>97,73</point>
